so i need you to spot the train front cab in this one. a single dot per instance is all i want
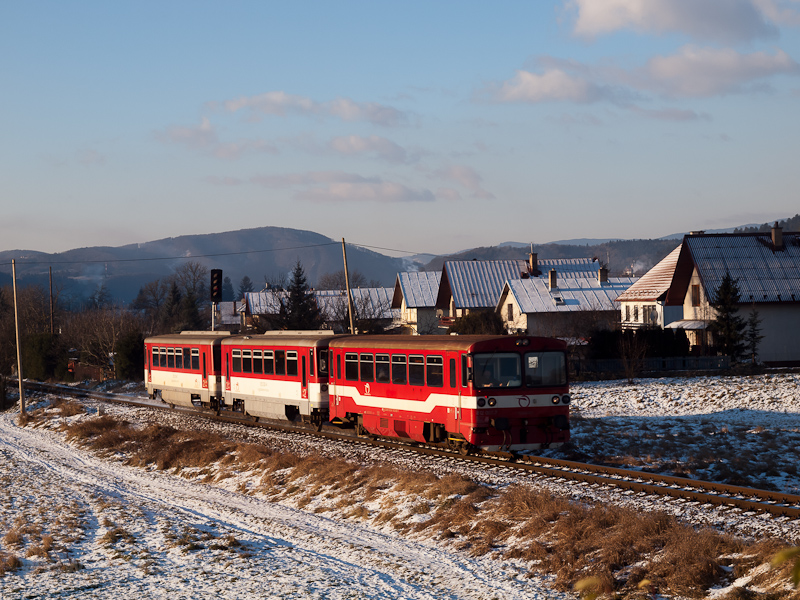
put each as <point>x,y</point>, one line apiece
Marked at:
<point>518,395</point>
<point>428,390</point>
<point>184,369</point>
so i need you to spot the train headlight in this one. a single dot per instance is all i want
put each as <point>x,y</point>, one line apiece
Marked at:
<point>565,399</point>
<point>492,401</point>
<point>481,402</point>
<point>555,399</point>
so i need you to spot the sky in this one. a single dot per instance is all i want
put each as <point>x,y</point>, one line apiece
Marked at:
<point>411,127</point>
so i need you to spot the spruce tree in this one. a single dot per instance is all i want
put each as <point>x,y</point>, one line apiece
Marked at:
<point>227,290</point>
<point>753,335</point>
<point>300,310</point>
<point>727,326</point>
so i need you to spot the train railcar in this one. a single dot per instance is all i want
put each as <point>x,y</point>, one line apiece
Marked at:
<point>279,375</point>
<point>185,368</point>
<point>489,392</point>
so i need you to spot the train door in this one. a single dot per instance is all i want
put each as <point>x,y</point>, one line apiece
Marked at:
<point>205,370</point>
<point>303,377</point>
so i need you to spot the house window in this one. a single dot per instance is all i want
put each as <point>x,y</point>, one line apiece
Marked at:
<point>510,316</point>
<point>636,312</point>
<point>695,295</point>
<point>627,312</point>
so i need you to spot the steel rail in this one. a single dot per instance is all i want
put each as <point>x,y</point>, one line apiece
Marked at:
<point>704,492</point>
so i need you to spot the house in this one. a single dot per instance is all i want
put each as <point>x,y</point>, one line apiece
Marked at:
<point>468,285</point>
<point>229,316</point>
<point>652,300</point>
<point>766,267</point>
<point>414,296</point>
<point>570,307</point>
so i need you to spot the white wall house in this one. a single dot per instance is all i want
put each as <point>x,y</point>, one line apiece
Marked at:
<point>415,297</point>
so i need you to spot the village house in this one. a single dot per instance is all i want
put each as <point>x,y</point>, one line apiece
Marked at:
<point>766,268</point>
<point>414,296</point>
<point>569,307</point>
<point>470,285</point>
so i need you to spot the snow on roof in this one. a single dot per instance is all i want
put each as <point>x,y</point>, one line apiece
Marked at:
<point>265,302</point>
<point>372,303</point>
<point>764,273</point>
<point>478,283</point>
<point>655,283</point>
<point>572,294</point>
<point>418,288</point>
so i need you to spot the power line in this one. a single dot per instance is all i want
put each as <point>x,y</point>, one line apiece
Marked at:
<point>122,260</point>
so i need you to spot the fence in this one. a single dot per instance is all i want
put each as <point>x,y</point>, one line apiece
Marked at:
<point>650,365</point>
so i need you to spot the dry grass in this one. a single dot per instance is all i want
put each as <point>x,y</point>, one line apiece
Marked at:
<point>616,549</point>
<point>9,562</point>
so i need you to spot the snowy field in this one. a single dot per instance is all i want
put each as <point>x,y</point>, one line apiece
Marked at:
<point>94,528</point>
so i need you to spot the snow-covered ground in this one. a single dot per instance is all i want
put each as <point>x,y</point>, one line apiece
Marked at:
<point>105,530</point>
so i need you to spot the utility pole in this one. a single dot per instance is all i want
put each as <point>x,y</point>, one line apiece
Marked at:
<point>52,321</point>
<point>347,285</point>
<point>19,349</point>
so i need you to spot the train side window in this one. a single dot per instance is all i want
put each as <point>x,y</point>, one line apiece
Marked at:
<point>237,361</point>
<point>269,362</point>
<point>367,368</point>
<point>382,374</point>
<point>322,357</point>
<point>339,366</point>
<point>247,361</point>
<point>435,371</point>
<point>291,363</point>
<point>258,362</point>
<point>399,369</point>
<point>179,358</point>
<point>452,372</point>
<point>187,358</point>
<point>311,362</point>
<point>163,362</point>
<point>195,359</point>
<point>464,371</point>
<point>280,362</point>
<point>416,370</point>
<point>156,358</point>
<point>351,366</point>
<point>170,358</point>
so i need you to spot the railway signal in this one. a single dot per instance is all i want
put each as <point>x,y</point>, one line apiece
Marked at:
<point>216,285</point>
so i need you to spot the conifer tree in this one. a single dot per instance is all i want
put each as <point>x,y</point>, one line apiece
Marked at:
<point>299,308</point>
<point>727,326</point>
<point>753,335</point>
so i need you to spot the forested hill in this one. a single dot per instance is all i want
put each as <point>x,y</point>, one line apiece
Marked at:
<point>638,255</point>
<point>791,224</point>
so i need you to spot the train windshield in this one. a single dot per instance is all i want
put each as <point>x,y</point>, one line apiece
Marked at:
<point>499,369</point>
<point>545,369</point>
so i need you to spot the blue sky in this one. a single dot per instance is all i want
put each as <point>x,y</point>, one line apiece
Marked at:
<point>418,126</point>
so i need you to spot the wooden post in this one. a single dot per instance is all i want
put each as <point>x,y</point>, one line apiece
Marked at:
<point>349,295</point>
<point>19,347</point>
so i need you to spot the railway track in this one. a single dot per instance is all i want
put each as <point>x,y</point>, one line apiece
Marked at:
<point>702,492</point>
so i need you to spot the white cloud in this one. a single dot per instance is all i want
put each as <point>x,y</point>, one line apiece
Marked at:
<point>381,147</point>
<point>552,85</point>
<point>671,114</point>
<point>782,12</point>
<point>383,191</point>
<point>280,103</point>
<point>466,177</point>
<point>237,149</point>
<point>716,20</point>
<point>201,136</point>
<point>310,178</point>
<point>702,72</point>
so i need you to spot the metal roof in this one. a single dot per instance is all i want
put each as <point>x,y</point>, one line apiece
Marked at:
<point>418,288</point>
<point>265,302</point>
<point>764,273</point>
<point>572,294</point>
<point>655,283</point>
<point>370,302</point>
<point>570,267</point>
<point>478,283</point>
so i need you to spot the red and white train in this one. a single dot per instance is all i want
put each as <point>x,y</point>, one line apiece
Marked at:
<point>466,392</point>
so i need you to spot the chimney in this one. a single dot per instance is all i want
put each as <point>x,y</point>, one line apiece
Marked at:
<point>552,283</point>
<point>777,237</point>
<point>533,263</point>
<point>602,275</point>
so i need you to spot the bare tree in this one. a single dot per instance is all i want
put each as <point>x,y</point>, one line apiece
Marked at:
<point>336,281</point>
<point>97,332</point>
<point>192,277</point>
